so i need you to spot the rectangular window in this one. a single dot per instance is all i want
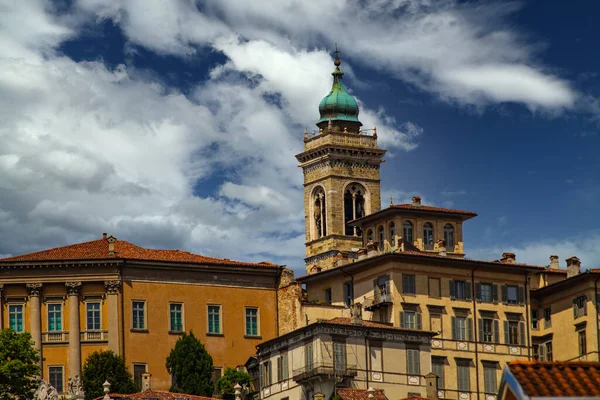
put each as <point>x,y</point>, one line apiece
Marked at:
<point>176,317</point>
<point>579,306</point>
<point>252,321</point>
<point>582,343</point>
<point>463,372</point>
<point>409,284</point>
<point>437,367</point>
<point>348,293</point>
<point>413,362</point>
<point>434,288</point>
<point>282,368</point>
<point>487,330</point>
<point>139,316</point>
<point>512,294</point>
<point>534,319</point>
<point>548,351</point>
<point>138,371</point>
<point>15,317</point>
<point>56,378</point>
<point>328,299</point>
<point>490,383</point>
<point>54,317</point>
<point>514,332</point>
<point>411,320</point>
<point>93,316</point>
<point>462,328</point>
<point>547,317</point>
<point>339,357</point>
<point>214,319</point>
<point>460,290</point>
<point>308,356</point>
<point>267,377</point>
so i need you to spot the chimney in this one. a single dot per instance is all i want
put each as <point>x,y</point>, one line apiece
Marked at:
<point>111,245</point>
<point>573,266</point>
<point>104,235</point>
<point>356,314</point>
<point>442,247</point>
<point>146,382</point>
<point>508,258</point>
<point>431,382</point>
<point>554,262</point>
<point>416,201</point>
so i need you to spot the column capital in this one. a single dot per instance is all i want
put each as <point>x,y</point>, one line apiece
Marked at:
<point>112,287</point>
<point>73,288</point>
<point>34,289</point>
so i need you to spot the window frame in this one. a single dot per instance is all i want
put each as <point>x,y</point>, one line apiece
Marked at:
<point>416,357</point>
<point>408,231</point>
<point>87,319</point>
<point>137,364</point>
<point>348,293</point>
<point>182,317</point>
<point>62,376</point>
<point>508,294</point>
<point>449,234</point>
<point>428,236</point>
<point>492,370</point>
<point>441,363</point>
<point>257,316</point>
<point>283,367</point>
<point>464,366</point>
<point>21,313</point>
<point>582,342</point>
<point>60,313</point>
<point>328,296</point>
<point>219,321</point>
<point>489,290</point>
<point>409,284</point>
<point>133,315</point>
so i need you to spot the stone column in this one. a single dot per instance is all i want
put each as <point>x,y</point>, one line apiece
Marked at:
<point>35,316</point>
<point>74,338</point>
<point>112,290</point>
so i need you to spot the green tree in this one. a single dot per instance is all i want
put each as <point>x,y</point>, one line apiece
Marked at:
<point>103,366</point>
<point>191,367</point>
<point>19,369</point>
<point>232,376</point>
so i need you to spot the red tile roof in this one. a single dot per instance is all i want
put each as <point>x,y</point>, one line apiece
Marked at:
<point>359,394</point>
<point>557,379</point>
<point>155,394</point>
<point>431,208</point>
<point>98,250</point>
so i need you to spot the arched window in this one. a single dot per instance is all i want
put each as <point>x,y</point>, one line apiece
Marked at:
<point>408,231</point>
<point>381,237</point>
<point>354,207</point>
<point>428,236</point>
<point>319,213</point>
<point>392,232</point>
<point>369,235</point>
<point>449,235</point>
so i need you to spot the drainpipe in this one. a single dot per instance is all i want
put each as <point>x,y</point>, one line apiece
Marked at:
<point>475,330</point>
<point>122,310</point>
<point>527,313</point>
<point>368,360</point>
<point>597,321</point>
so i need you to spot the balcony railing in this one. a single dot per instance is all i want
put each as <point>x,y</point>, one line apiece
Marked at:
<point>55,337</point>
<point>382,296</point>
<point>94,336</point>
<point>321,369</point>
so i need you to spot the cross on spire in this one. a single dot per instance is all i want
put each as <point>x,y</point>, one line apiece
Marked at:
<point>337,52</point>
<point>391,201</point>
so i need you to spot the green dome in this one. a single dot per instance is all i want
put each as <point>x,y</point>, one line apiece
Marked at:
<point>338,104</point>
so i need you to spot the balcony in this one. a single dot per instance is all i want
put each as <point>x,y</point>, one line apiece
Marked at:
<point>55,337</point>
<point>382,297</point>
<point>94,336</point>
<point>324,369</point>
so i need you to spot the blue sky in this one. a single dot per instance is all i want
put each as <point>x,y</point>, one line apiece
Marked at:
<point>175,124</point>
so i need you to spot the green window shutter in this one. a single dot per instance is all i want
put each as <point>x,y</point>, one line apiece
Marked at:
<point>467,290</point>
<point>286,371</point>
<point>495,293</point>
<point>402,323</point>
<point>470,328</point>
<point>478,291</point>
<point>521,295</point>
<point>452,290</point>
<point>574,308</point>
<point>496,331</point>
<point>480,323</point>
<point>419,322</point>
<point>454,335</point>
<point>522,333</point>
<point>584,305</point>
<point>506,333</point>
<point>504,294</point>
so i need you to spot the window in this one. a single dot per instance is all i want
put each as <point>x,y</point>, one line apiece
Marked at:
<point>54,317</point>
<point>534,319</point>
<point>348,293</point>
<point>488,330</point>
<point>214,319</point>
<point>407,227</point>
<point>411,320</point>
<point>413,362</point>
<point>328,296</point>
<point>381,237</point>
<point>56,378</point>
<point>266,377</point>
<point>409,284</point>
<point>354,207</point>
<point>449,236</point>
<point>547,317</point>
<point>548,351</point>
<point>15,317</point>
<point>339,358</point>
<point>434,288</point>
<point>437,367</point>
<point>463,373</point>
<point>514,332</point>
<point>319,213</point>
<point>308,356</point>
<point>392,233</point>
<point>579,306</point>
<point>176,317</point>
<point>460,290</point>
<point>282,368</point>
<point>138,371</point>
<point>252,321</point>
<point>512,294</point>
<point>93,316</point>
<point>582,342</point>
<point>139,314</point>
<point>428,236</point>
<point>542,352</point>
<point>462,328</point>
<point>486,292</point>
<point>490,383</point>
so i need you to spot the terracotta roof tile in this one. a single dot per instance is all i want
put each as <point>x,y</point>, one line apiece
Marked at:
<point>359,394</point>
<point>431,208</point>
<point>99,250</point>
<point>155,394</point>
<point>557,379</point>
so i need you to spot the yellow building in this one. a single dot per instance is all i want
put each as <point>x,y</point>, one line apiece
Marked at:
<point>111,294</point>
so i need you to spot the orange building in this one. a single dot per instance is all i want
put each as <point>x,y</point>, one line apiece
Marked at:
<point>111,294</point>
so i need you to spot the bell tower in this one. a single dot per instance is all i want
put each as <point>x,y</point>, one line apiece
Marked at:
<point>340,163</point>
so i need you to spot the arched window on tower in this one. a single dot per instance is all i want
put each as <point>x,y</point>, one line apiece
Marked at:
<point>354,207</point>
<point>428,236</point>
<point>381,237</point>
<point>392,233</point>
<point>449,236</point>
<point>408,231</point>
<point>319,213</point>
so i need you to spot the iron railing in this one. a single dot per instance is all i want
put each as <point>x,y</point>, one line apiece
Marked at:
<point>381,295</point>
<point>324,368</point>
